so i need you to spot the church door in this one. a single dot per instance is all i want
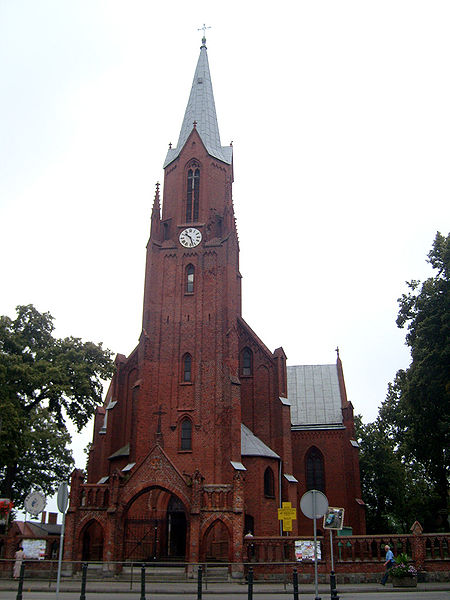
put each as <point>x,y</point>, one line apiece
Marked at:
<point>92,542</point>
<point>155,527</point>
<point>216,543</point>
<point>176,529</point>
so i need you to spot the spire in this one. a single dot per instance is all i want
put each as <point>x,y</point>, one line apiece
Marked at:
<point>155,219</point>
<point>340,372</point>
<point>201,109</point>
<point>156,210</point>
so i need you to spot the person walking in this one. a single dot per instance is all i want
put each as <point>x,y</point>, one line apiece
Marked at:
<point>19,556</point>
<point>388,564</point>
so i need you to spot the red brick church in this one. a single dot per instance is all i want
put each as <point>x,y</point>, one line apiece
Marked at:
<point>205,430</point>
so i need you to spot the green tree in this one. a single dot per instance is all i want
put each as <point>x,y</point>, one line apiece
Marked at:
<point>396,492</point>
<point>420,410</point>
<point>382,476</point>
<point>43,380</point>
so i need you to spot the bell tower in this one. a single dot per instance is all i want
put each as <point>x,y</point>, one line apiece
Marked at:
<point>192,300</point>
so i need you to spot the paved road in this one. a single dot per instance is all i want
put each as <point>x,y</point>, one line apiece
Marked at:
<point>353,595</point>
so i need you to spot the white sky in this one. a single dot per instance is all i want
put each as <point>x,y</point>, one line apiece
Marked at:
<point>340,121</point>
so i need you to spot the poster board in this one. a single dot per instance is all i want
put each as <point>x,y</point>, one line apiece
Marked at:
<point>34,548</point>
<point>304,550</point>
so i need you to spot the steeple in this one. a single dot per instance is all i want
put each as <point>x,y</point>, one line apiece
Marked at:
<point>201,109</point>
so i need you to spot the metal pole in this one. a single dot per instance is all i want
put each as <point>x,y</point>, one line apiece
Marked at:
<point>199,582</point>
<point>316,583</point>
<point>20,586</point>
<point>295,583</point>
<point>61,548</point>
<point>316,579</point>
<point>84,568</point>
<point>142,583</point>
<point>334,595</point>
<point>250,583</point>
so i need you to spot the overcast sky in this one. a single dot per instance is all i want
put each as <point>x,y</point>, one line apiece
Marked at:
<point>339,116</point>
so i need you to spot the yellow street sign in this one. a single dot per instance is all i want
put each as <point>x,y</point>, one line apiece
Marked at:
<point>287,514</point>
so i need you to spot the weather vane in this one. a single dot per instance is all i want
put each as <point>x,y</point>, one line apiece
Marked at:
<point>204,30</point>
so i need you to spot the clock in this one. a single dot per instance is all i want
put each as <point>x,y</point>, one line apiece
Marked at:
<point>35,503</point>
<point>190,237</point>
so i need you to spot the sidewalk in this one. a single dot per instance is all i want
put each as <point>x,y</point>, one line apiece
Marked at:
<point>190,588</point>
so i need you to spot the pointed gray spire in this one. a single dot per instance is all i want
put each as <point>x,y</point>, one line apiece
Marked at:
<point>201,113</point>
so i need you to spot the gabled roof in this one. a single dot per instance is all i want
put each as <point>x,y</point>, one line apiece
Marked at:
<point>314,394</point>
<point>201,109</point>
<point>253,446</point>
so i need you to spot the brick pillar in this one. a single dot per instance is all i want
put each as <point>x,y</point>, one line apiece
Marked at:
<point>418,547</point>
<point>237,568</point>
<point>194,525</point>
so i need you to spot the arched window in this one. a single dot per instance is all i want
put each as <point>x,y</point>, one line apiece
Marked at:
<point>315,477</point>
<point>190,279</point>
<point>269,487</point>
<point>186,434</point>
<point>247,362</point>
<point>193,195</point>
<point>187,367</point>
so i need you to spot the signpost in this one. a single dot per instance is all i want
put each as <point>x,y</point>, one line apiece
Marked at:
<point>333,519</point>
<point>63,500</point>
<point>314,505</point>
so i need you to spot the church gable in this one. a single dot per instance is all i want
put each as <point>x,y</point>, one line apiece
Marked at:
<point>156,470</point>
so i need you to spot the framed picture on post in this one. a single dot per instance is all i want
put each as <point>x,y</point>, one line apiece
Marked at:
<point>333,518</point>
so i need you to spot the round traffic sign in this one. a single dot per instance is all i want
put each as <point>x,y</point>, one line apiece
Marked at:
<point>314,504</point>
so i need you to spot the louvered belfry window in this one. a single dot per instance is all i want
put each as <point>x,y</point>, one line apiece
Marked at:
<point>193,195</point>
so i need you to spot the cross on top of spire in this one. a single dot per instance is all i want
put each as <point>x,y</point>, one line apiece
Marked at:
<point>205,27</point>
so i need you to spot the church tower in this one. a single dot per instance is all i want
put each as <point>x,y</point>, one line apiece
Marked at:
<point>192,299</point>
<point>193,445</point>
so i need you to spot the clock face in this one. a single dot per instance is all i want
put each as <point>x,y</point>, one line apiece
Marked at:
<point>35,503</point>
<point>190,237</point>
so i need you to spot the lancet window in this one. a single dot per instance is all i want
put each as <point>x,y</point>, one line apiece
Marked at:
<point>186,434</point>
<point>187,368</point>
<point>315,475</point>
<point>269,483</point>
<point>190,279</point>
<point>246,362</point>
<point>193,194</point>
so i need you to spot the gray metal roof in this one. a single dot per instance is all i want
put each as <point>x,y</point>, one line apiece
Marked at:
<point>315,397</point>
<point>201,108</point>
<point>253,446</point>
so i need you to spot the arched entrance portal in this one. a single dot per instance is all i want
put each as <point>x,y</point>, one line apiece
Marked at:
<point>92,548</point>
<point>155,527</point>
<point>216,542</point>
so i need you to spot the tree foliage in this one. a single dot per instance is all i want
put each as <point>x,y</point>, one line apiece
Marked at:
<point>420,413</point>
<point>404,453</point>
<point>43,380</point>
